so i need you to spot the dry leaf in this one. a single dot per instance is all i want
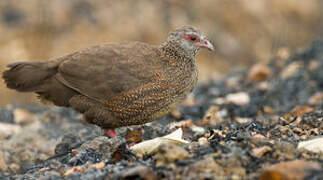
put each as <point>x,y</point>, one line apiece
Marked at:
<point>151,146</point>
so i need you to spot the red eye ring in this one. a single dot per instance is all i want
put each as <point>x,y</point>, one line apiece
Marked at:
<point>193,38</point>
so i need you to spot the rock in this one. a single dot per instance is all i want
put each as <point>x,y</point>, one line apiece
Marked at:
<point>240,98</point>
<point>198,130</point>
<point>259,152</point>
<point>283,53</point>
<point>170,153</point>
<point>138,172</point>
<point>207,164</point>
<point>269,110</point>
<point>8,130</point>
<point>98,166</point>
<point>214,115</point>
<point>134,136</point>
<point>290,170</point>
<point>6,116</point>
<point>103,145</point>
<point>242,120</point>
<point>314,145</point>
<point>74,169</point>
<point>259,72</point>
<point>291,69</point>
<point>316,99</point>
<point>202,140</point>
<point>295,116</point>
<point>3,161</point>
<point>23,117</point>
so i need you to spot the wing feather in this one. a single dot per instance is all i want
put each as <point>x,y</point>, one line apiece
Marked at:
<point>105,71</point>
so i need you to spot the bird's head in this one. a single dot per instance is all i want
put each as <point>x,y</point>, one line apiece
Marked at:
<point>189,39</point>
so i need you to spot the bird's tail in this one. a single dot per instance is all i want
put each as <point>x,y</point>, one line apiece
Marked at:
<point>27,76</point>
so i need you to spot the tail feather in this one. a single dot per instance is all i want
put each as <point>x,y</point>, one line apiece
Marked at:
<point>27,76</point>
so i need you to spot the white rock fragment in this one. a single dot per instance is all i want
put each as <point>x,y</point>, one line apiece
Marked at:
<point>7,130</point>
<point>240,98</point>
<point>314,145</point>
<point>151,146</point>
<point>198,129</point>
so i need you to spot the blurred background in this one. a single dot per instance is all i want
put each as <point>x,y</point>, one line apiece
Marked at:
<point>245,32</point>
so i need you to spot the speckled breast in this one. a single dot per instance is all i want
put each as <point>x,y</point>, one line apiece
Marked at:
<point>157,98</point>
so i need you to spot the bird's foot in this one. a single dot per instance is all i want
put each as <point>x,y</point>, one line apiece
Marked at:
<point>110,133</point>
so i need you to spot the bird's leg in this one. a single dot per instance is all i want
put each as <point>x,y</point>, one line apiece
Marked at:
<point>110,132</point>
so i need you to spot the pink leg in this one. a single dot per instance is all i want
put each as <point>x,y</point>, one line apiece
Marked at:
<point>110,133</point>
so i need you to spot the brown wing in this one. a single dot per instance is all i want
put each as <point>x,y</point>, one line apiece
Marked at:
<point>105,71</point>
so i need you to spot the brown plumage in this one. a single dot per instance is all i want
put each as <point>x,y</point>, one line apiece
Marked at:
<point>116,84</point>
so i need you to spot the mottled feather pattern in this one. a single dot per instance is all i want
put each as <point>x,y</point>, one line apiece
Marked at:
<point>115,85</point>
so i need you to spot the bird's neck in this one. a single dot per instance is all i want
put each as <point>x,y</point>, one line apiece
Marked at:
<point>172,49</point>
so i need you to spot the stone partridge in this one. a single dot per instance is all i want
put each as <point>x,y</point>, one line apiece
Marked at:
<point>116,85</point>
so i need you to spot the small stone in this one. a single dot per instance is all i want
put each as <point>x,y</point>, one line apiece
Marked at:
<point>316,99</point>
<point>296,169</point>
<point>98,166</point>
<point>298,131</point>
<point>257,135</point>
<point>259,152</point>
<point>74,152</point>
<point>269,110</point>
<point>240,98</point>
<point>134,136</point>
<point>202,140</point>
<point>44,169</point>
<point>169,153</point>
<point>208,165</point>
<point>74,169</point>
<point>263,86</point>
<point>291,69</point>
<point>14,167</point>
<point>8,130</point>
<point>198,130</point>
<point>138,172</point>
<point>314,64</point>
<point>259,72</point>
<point>284,129</point>
<point>242,120</point>
<point>176,113</point>
<point>104,145</point>
<point>213,115</point>
<point>22,116</point>
<point>314,145</point>
<point>6,116</point>
<point>3,161</point>
<point>283,53</point>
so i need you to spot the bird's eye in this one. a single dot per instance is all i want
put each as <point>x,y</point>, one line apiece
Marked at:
<point>193,38</point>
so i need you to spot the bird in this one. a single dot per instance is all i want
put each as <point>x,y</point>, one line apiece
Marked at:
<point>116,85</point>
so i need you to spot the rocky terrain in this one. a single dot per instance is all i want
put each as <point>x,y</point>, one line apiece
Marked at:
<point>262,123</point>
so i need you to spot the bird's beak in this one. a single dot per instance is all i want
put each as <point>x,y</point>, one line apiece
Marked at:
<point>206,44</point>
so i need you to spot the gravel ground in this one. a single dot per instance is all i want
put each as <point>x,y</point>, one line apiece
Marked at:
<point>262,123</point>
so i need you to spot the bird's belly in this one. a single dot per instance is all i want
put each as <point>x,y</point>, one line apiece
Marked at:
<point>147,105</point>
